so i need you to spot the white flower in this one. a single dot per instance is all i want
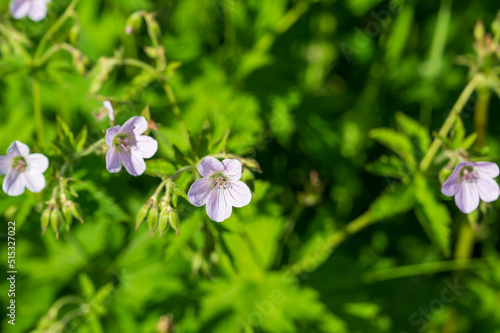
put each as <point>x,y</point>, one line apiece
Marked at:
<point>220,188</point>
<point>36,10</point>
<point>111,112</point>
<point>22,169</point>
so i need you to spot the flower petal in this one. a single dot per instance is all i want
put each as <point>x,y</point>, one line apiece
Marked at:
<point>13,184</point>
<point>136,125</point>
<point>38,11</point>
<point>20,8</point>
<point>209,165</point>
<point>199,192</point>
<point>232,169</point>
<point>34,181</point>
<point>146,146</point>
<point>488,189</point>
<point>111,133</point>
<point>239,194</point>
<point>109,107</point>
<point>488,169</point>
<point>134,163</point>
<point>5,164</point>
<point>38,162</point>
<point>113,161</point>
<point>18,148</point>
<point>467,198</point>
<point>218,206</point>
<point>452,184</point>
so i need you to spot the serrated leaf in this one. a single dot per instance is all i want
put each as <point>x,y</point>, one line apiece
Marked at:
<point>417,133</point>
<point>388,166</point>
<point>81,139</point>
<point>432,214</point>
<point>396,141</point>
<point>220,144</point>
<point>395,200</point>
<point>468,141</point>
<point>458,133</point>
<point>65,132</point>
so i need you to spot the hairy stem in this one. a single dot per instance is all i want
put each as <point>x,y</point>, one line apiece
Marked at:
<point>449,122</point>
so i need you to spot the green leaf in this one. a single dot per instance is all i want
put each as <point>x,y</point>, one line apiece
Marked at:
<point>468,141</point>
<point>417,133</point>
<point>433,215</point>
<point>388,166</point>
<point>395,200</point>
<point>398,142</point>
<point>81,139</point>
<point>159,167</point>
<point>458,133</point>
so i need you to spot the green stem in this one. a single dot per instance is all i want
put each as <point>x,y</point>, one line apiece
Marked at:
<point>481,115</point>
<point>37,107</point>
<point>449,122</point>
<point>43,42</point>
<point>140,64</point>
<point>465,242</point>
<point>425,268</point>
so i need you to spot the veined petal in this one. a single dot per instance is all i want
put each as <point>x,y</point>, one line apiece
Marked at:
<point>467,197</point>
<point>38,11</point>
<point>488,189</point>
<point>134,163</point>
<point>20,8</point>
<point>111,133</point>
<point>109,107</point>
<point>146,146</point>
<point>488,169</point>
<point>136,125</point>
<point>239,194</point>
<point>13,184</point>
<point>18,148</point>
<point>209,165</point>
<point>113,161</point>
<point>199,192</point>
<point>452,184</point>
<point>232,169</point>
<point>38,162</point>
<point>34,181</point>
<point>5,164</point>
<point>218,206</point>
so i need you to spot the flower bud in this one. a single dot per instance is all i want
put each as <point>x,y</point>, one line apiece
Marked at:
<point>141,215</point>
<point>68,217</point>
<point>56,221</point>
<point>75,211</point>
<point>153,220</point>
<point>74,34</point>
<point>163,221</point>
<point>173,220</point>
<point>479,30</point>
<point>133,23</point>
<point>45,219</point>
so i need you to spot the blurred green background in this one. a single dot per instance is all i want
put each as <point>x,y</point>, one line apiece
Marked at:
<point>299,84</point>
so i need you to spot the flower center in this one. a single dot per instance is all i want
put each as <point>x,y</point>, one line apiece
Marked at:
<point>19,164</point>
<point>469,174</point>
<point>220,181</point>
<point>123,142</point>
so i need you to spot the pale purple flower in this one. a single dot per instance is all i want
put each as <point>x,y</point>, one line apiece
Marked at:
<point>22,170</point>
<point>220,188</point>
<point>111,111</point>
<point>470,182</point>
<point>36,10</point>
<point>127,145</point>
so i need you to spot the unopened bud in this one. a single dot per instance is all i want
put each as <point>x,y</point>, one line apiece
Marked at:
<point>56,221</point>
<point>142,214</point>
<point>153,220</point>
<point>75,211</point>
<point>253,165</point>
<point>74,34</point>
<point>173,220</point>
<point>133,23</point>
<point>45,219</point>
<point>68,217</point>
<point>163,223</point>
<point>479,30</point>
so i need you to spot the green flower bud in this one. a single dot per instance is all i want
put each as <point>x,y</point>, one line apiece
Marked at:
<point>163,221</point>
<point>153,220</point>
<point>68,217</point>
<point>74,34</point>
<point>56,221</point>
<point>479,30</point>
<point>173,220</point>
<point>133,23</point>
<point>75,211</point>
<point>142,214</point>
<point>45,219</point>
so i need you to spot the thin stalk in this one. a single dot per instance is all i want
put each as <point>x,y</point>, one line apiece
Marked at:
<point>37,108</point>
<point>450,121</point>
<point>481,115</point>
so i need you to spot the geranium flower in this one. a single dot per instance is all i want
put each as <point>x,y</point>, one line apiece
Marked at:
<point>470,182</point>
<point>111,111</point>
<point>127,145</point>
<point>36,10</point>
<point>22,170</point>
<point>220,188</point>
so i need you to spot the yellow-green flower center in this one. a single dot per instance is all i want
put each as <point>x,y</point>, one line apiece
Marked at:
<point>19,163</point>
